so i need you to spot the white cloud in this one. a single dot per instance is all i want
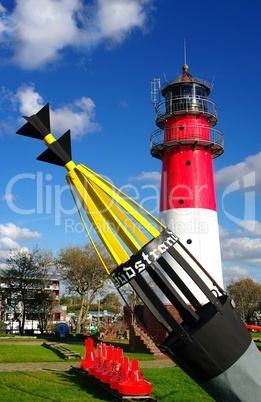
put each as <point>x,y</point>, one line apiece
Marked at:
<point>9,248</point>
<point>116,18</point>
<point>78,115</point>
<point>9,232</point>
<point>12,231</point>
<point>242,176</point>
<point>42,30</point>
<point>39,32</point>
<point>242,250</point>
<point>7,244</point>
<point>147,176</point>
<point>29,101</point>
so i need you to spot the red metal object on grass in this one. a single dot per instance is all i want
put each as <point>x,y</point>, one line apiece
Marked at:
<point>121,371</point>
<point>101,350</point>
<point>89,354</point>
<point>112,366</point>
<point>134,383</point>
<point>104,362</point>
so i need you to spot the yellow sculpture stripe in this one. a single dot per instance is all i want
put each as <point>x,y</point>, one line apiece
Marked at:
<point>113,220</point>
<point>122,217</point>
<point>87,230</point>
<point>118,197</point>
<point>102,229</point>
<point>100,203</point>
<point>112,244</point>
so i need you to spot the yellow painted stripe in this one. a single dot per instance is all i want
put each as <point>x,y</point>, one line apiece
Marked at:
<point>107,212</point>
<point>107,237</point>
<point>118,195</point>
<point>114,221</point>
<point>128,223</point>
<point>87,230</point>
<point>104,231</point>
<point>70,166</point>
<point>49,139</point>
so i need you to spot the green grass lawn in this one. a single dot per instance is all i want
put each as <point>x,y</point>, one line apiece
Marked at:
<point>39,386</point>
<point>169,384</point>
<point>26,354</point>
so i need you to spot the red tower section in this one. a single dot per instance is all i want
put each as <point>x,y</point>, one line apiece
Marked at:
<point>190,186</point>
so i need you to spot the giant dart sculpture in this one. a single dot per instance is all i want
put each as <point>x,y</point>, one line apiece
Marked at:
<point>211,344</point>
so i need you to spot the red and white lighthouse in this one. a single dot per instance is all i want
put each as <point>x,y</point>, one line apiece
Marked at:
<point>186,142</point>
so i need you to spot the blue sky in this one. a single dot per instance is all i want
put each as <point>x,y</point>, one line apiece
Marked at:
<point>93,62</point>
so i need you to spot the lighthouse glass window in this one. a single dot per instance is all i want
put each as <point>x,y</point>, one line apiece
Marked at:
<point>188,96</point>
<point>201,91</point>
<point>187,90</point>
<point>176,97</point>
<point>201,98</point>
<point>195,97</point>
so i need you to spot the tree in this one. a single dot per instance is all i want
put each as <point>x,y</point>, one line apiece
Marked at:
<point>81,269</point>
<point>111,302</point>
<point>23,274</point>
<point>246,294</point>
<point>70,300</point>
<point>41,305</point>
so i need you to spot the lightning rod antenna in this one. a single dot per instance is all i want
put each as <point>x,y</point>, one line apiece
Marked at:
<point>185,52</point>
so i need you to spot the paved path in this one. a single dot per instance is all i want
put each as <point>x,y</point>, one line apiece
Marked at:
<point>60,366</point>
<point>67,365</point>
